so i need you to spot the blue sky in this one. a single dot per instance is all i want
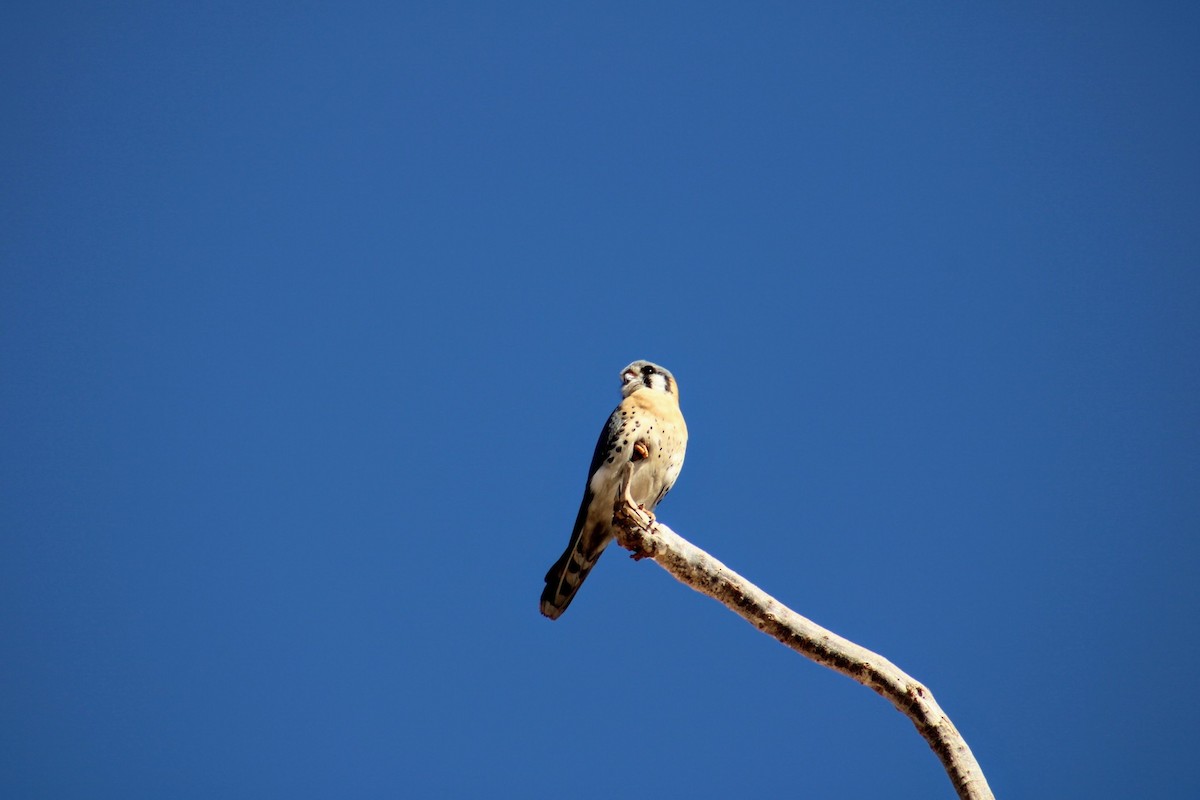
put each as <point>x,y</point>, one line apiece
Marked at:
<point>310,315</point>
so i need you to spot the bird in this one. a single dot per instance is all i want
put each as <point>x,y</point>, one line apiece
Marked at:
<point>647,429</point>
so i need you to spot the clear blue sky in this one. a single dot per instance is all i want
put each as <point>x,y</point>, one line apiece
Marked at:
<point>310,315</point>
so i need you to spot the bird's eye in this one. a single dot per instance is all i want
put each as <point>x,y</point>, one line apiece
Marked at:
<point>647,370</point>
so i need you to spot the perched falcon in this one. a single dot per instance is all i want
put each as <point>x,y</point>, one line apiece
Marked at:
<point>647,428</point>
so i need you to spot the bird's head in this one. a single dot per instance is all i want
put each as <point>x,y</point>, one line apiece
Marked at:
<point>645,376</point>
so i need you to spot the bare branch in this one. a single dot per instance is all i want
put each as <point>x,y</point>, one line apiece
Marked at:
<point>638,532</point>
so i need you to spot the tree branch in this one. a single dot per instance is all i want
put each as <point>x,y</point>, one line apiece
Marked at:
<point>638,532</point>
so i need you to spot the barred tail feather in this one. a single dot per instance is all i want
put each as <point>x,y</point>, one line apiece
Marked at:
<point>567,575</point>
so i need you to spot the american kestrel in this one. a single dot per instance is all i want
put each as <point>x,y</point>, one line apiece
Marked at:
<point>647,429</point>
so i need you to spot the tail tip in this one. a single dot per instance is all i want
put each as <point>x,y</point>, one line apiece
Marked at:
<point>550,610</point>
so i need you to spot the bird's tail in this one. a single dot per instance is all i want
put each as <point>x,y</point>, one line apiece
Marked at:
<point>567,575</point>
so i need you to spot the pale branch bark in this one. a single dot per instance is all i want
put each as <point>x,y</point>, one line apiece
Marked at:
<point>640,533</point>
